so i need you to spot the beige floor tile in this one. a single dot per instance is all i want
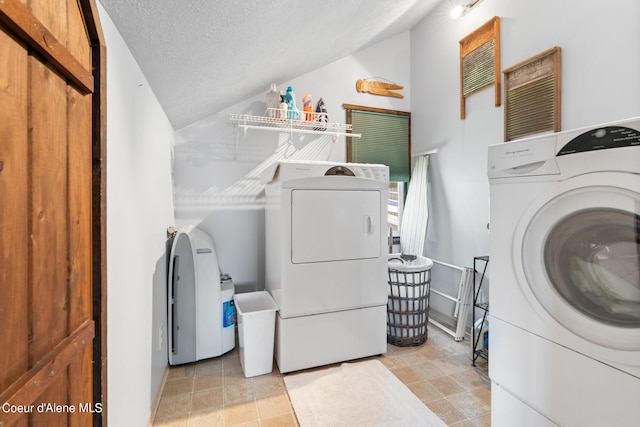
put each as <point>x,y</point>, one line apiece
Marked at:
<point>240,413</point>
<point>483,420</point>
<point>463,359</point>
<point>203,382</point>
<point>254,423</point>
<point>238,393</point>
<point>284,420</point>
<point>431,352</point>
<point>446,385</point>
<point>446,411</point>
<point>425,391</point>
<point>483,394</point>
<point>274,405</point>
<point>207,418</point>
<point>174,421</point>
<point>231,364</point>
<point>469,405</point>
<point>232,378</point>
<point>406,375</point>
<point>207,399</point>
<point>439,340</point>
<point>427,370</point>
<point>178,404</point>
<point>471,379</point>
<point>451,365</point>
<point>461,351</point>
<point>178,386</point>
<point>268,385</point>
<point>181,371</point>
<point>393,361</point>
<point>209,366</point>
<point>464,423</point>
<point>414,357</point>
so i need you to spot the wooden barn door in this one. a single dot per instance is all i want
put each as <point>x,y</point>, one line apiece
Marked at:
<point>51,214</point>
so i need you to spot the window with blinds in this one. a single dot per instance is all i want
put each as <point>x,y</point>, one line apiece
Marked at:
<point>386,139</point>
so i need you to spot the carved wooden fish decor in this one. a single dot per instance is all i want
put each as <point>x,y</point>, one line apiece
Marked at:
<point>378,88</point>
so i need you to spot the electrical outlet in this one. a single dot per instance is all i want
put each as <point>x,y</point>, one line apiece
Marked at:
<point>160,338</point>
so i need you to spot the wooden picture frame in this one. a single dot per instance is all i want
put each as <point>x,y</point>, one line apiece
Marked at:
<point>533,95</point>
<point>480,62</point>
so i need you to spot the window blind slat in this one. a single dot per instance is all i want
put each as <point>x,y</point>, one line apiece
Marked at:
<point>385,140</point>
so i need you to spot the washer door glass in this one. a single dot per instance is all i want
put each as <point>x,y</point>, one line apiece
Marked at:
<point>592,258</point>
<point>578,246</point>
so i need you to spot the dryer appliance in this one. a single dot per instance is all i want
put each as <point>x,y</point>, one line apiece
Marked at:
<point>200,308</point>
<point>565,276</point>
<point>326,260</point>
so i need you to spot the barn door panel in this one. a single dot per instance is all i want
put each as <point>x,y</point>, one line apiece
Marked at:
<point>79,157</point>
<point>48,217</point>
<point>48,193</point>
<point>13,208</point>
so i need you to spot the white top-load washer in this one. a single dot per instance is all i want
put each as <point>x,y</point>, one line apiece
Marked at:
<point>565,274</point>
<point>326,248</point>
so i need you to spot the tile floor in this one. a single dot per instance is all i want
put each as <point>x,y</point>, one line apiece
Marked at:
<point>214,392</point>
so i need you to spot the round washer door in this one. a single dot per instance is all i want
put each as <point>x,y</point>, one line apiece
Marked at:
<point>579,250</point>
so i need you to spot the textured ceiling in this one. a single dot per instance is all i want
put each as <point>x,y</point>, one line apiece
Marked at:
<point>201,56</point>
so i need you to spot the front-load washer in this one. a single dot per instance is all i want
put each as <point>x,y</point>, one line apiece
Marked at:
<point>326,260</point>
<point>565,274</point>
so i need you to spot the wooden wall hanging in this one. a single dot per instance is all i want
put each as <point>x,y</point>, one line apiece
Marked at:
<point>378,88</point>
<point>532,95</point>
<point>480,62</point>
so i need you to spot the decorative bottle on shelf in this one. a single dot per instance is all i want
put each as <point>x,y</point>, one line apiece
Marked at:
<point>283,108</point>
<point>321,115</point>
<point>290,98</point>
<point>307,107</point>
<point>273,101</point>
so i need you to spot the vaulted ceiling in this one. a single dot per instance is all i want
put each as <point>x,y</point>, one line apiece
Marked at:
<point>201,56</point>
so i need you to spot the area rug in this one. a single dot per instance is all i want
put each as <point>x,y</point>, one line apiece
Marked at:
<point>356,394</point>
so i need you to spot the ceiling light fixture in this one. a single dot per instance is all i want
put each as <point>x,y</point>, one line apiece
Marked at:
<point>462,9</point>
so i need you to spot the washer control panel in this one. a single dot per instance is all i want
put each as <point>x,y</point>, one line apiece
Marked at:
<point>601,139</point>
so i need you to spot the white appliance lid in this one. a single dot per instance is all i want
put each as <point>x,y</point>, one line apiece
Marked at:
<point>294,169</point>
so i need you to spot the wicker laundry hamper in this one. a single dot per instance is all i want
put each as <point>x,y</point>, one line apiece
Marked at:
<point>408,302</point>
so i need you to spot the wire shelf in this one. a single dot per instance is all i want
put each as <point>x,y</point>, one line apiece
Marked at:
<point>299,122</point>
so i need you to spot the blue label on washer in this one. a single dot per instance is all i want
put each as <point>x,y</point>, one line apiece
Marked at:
<point>228,314</point>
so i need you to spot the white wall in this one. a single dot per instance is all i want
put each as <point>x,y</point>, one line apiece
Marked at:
<point>600,42</point>
<point>211,155</point>
<point>139,210</point>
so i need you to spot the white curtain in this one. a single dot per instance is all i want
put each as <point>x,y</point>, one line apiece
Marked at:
<point>413,227</point>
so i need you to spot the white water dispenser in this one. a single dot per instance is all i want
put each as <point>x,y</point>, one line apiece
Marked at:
<point>200,307</point>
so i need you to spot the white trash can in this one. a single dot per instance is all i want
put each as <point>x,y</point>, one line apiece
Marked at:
<point>256,331</point>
